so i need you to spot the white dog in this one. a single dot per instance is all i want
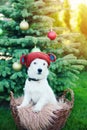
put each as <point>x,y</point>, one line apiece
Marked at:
<point>37,88</point>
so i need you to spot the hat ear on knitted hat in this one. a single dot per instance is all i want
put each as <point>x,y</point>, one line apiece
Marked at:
<point>23,59</point>
<point>52,57</point>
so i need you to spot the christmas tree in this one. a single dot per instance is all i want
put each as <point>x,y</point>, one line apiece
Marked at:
<point>24,28</point>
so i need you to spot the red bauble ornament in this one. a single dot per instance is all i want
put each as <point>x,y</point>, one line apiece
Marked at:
<point>51,35</point>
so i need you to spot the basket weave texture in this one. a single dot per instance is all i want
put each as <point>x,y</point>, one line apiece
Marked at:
<point>49,119</point>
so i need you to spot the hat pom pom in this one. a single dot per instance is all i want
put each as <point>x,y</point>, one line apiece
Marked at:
<point>52,57</point>
<point>23,59</point>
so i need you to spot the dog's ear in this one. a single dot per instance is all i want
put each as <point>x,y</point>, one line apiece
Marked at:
<point>23,59</point>
<point>52,57</point>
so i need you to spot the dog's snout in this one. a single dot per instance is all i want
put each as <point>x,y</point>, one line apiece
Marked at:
<point>39,70</point>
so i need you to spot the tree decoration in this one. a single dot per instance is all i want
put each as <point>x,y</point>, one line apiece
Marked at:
<point>24,25</point>
<point>1,31</point>
<point>16,66</point>
<point>51,35</point>
<point>36,49</point>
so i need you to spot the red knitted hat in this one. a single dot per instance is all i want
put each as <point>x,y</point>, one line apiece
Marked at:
<point>27,59</point>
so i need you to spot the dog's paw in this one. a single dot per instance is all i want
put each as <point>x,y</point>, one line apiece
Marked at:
<point>36,109</point>
<point>59,107</point>
<point>18,107</point>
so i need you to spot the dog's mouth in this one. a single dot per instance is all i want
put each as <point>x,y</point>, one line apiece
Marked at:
<point>39,73</point>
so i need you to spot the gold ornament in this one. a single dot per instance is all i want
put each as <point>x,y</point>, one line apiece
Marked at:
<point>24,25</point>
<point>16,66</point>
<point>36,49</point>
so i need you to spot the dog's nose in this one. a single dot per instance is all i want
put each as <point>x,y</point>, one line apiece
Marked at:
<point>39,70</point>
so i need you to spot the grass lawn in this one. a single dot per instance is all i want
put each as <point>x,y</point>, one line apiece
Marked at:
<point>78,116</point>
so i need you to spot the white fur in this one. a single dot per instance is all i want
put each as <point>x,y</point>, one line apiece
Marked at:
<point>38,91</point>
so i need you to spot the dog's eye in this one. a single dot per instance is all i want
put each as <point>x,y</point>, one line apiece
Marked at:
<point>34,62</point>
<point>43,63</point>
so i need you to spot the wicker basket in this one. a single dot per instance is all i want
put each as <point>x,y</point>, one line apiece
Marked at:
<point>61,115</point>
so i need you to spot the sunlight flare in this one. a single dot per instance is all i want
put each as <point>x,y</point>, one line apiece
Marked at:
<point>74,3</point>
